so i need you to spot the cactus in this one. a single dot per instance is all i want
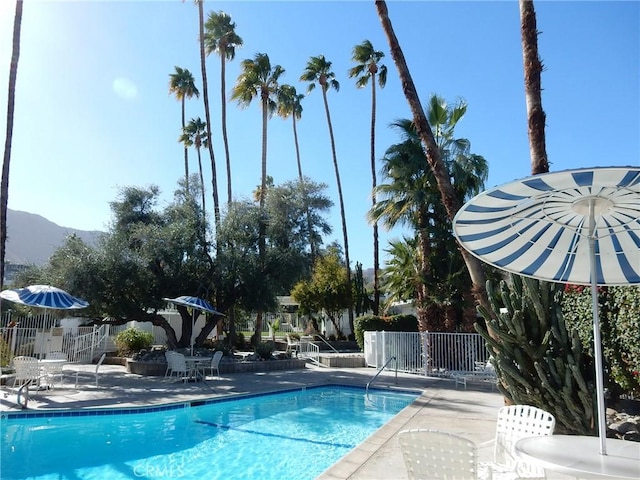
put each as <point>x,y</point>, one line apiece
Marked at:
<point>538,360</point>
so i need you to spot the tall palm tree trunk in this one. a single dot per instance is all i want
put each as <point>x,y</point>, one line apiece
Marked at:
<point>312,245</point>
<point>342,213</point>
<point>533,88</point>
<point>223,83</point>
<point>201,179</point>
<point>205,96</point>
<point>449,199</point>
<point>374,182</point>
<point>186,151</point>
<point>4,194</point>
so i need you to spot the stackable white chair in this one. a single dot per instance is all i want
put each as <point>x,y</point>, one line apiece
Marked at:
<point>516,422</point>
<point>214,366</point>
<point>27,371</point>
<point>177,365</point>
<point>96,372</point>
<point>432,454</point>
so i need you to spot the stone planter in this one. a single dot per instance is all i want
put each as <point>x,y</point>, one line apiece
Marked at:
<point>146,368</point>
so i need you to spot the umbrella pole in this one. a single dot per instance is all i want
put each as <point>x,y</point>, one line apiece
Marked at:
<point>193,327</point>
<point>597,342</point>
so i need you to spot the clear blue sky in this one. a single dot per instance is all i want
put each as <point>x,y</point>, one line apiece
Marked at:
<point>93,112</point>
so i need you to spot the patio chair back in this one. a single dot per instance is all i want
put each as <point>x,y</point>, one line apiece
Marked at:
<point>516,422</point>
<point>176,365</point>
<point>27,370</point>
<point>434,454</point>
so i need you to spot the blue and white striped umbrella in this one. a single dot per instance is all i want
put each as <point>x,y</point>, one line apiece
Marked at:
<point>542,226</point>
<point>576,226</point>
<point>44,296</point>
<point>194,302</point>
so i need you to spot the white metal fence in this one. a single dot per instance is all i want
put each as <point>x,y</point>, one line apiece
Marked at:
<point>425,353</point>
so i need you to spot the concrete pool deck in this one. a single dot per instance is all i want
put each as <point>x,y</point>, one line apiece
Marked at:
<point>442,406</point>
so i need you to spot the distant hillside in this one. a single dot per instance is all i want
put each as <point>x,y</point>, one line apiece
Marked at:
<point>31,239</point>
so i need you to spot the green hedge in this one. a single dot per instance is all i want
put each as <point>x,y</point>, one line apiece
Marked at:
<point>373,323</point>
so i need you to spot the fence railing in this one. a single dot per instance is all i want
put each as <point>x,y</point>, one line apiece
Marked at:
<point>426,353</point>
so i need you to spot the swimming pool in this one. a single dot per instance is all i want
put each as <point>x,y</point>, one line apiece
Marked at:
<point>295,434</point>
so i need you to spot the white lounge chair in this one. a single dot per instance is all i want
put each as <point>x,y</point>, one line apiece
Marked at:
<point>516,422</point>
<point>432,454</point>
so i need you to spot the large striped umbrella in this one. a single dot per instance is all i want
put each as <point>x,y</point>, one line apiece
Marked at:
<point>576,226</point>
<point>196,304</point>
<point>44,296</point>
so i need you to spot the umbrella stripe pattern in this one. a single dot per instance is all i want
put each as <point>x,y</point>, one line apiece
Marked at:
<point>44,296</point>
<point>193,302</point>
<point>517,226</point>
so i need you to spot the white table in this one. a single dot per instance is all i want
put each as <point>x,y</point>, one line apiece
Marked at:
<point>579,456</point>
<point>51,367</point>
<point>194,362</point>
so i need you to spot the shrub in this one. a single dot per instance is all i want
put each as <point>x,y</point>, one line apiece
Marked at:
<point>265,350</point>
<point>373,323</point>
<point>133,340</point>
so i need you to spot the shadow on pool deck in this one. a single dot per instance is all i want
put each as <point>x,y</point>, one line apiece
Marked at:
<point>441,406</point>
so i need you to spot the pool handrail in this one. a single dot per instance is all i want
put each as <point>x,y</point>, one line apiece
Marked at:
<point>380,371</point>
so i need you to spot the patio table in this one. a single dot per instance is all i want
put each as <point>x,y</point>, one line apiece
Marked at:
<point>49,367</point>
<point>194,362</point>
<point>579,456</point>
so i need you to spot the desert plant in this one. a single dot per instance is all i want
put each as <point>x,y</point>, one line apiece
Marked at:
<point>132,340</point>
<point>265,350</point>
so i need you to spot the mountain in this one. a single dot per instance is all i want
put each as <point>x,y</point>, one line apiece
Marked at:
<point>31,239</point>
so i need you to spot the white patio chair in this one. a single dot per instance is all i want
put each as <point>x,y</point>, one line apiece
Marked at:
<point>214,365</point>
<point>177,365</point>
<point>516,422</point>
<point>27,371</point>
<point>292,345</point>
<point>51,370</point>
<point>96,372</point>
<point>432,454</point>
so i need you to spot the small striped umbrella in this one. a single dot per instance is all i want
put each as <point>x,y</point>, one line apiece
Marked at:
<point>195,303</point>
<point>575,226</point>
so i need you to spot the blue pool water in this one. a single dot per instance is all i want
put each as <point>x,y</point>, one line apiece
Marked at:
<point>289,435</point>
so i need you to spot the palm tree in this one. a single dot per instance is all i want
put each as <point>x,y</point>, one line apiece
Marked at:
<point>259,78</point>
<point>290,105</point>
<point>4,195</point>
<point>195,135</point>
<point>533,87</point>
<point>220,37</point>
<point>205,96</point>
<point>318,70</point>
<point>368,68</point>
<point>441,175</point>
<point>411,197</point>
<point>183,86</point>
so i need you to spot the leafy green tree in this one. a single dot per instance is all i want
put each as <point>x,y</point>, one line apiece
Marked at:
<point>183,86</point>
<point>220,37</point>
<point>401,275</point>
<point>4,186</point>
<point>326,291</point>
<point>318,70</point>
<point>367,68</point>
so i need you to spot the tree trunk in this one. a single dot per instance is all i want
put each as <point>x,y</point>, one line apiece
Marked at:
<point>312,246</point>
<point>205,96</point>
<point>4,189</point>
<point>449,199</point>
<point>342,212</point>
<point>376,245</point>
<point>186,153</point>
<point>533,88</point>
<point>223,68</point>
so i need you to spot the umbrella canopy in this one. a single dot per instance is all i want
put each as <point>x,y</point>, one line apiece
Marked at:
<point>194,302</point>
<point>197,304</point>
<point>575,226</point>
<point>44,296</point>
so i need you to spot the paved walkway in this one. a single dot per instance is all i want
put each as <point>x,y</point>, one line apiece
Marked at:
<point>441,406</point>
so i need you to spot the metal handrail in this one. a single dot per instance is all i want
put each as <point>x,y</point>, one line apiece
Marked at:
<point>380,371</point>
<point>327,343</point>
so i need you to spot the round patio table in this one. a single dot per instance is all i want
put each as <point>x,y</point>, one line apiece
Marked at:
<point>579,456</point>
